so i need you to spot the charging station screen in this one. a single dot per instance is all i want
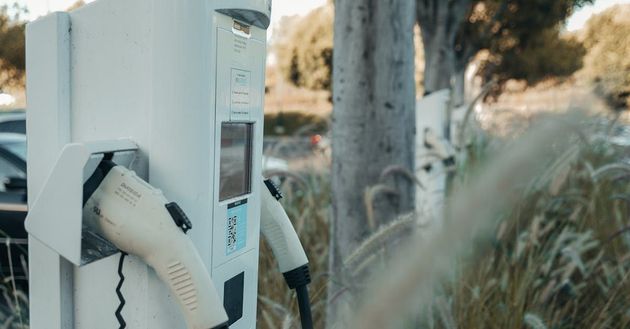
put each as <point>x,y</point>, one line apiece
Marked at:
<point>236,160</point>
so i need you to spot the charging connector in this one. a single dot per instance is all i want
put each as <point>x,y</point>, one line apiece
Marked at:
<point>292,261</point>
<point>137,219</point>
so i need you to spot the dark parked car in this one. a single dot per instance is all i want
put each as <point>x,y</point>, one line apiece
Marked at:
<point>13,205</point>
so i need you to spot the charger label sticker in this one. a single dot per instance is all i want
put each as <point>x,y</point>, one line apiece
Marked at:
<point>240,95</point>
<point>236,227</point>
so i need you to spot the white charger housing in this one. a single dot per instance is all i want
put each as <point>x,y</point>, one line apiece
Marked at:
<point>184,80</point>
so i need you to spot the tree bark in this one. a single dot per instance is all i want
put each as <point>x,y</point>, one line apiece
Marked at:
<point>373,127</point>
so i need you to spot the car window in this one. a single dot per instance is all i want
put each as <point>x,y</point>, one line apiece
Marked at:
<point>18,149</point>
<point>14,126</point>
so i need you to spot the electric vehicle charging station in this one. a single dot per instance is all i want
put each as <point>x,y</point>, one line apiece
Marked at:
<point>434,157</point>
<point>172,90</point>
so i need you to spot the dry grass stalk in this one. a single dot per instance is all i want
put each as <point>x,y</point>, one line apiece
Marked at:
<point>471,212</point>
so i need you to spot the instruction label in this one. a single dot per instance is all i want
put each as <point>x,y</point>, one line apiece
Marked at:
<point>240,49</point>
<point>240,95</point>
<point>236,227</point>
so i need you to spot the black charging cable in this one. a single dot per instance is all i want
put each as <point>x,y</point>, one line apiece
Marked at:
<point>89,188</point>
<point>299,280</point>
<point>304,304</point>
<point>121,320</point>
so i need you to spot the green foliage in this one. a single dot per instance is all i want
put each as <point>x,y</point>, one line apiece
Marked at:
<point>548,55</point>
<point>522,37</point>
<point>305,53</point>
<point>12,42</point>
<point>291,123</point>
<point>607,37</point>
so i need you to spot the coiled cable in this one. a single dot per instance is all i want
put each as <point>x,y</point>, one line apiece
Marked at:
<point>121,298</point>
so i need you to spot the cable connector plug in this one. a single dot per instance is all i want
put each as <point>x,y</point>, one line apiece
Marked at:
<point>273,189</point>
<point>300,276</point>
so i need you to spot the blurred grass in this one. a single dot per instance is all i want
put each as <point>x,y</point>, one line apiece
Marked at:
<point>13,298</point>
<point>559,258</point>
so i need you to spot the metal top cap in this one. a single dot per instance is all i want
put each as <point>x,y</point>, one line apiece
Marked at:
<point>254,12</point>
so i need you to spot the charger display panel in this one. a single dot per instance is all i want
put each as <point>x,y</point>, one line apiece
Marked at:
<point>235,160</point>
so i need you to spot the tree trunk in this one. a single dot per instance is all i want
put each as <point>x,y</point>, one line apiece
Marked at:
<point>440,22</point>
<point>373,127</point>
<point>439,60</point>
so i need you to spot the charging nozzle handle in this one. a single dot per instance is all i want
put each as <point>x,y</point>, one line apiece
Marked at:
<point>285,243</point>
<point>137,219</point>
<point>181,268</point>
<point>278,231</point>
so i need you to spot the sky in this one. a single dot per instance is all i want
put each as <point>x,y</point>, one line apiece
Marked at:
<point>578,19</point>
<point>280,7</point>
<point>301,7</point>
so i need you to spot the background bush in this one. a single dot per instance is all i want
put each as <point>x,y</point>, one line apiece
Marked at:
<point>607,37</point>
<point>292,123</point>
